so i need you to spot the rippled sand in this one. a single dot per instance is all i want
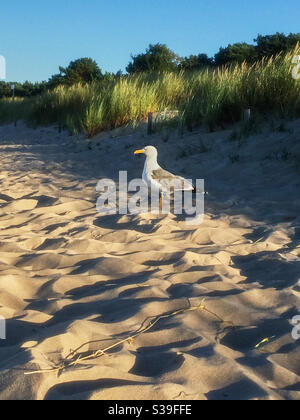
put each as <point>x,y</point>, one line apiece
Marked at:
<point>70,276</point>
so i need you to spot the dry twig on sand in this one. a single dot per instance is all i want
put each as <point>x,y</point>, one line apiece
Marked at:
<point>73,359</point>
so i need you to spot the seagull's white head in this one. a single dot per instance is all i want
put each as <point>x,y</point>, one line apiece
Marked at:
<point>149,151</point>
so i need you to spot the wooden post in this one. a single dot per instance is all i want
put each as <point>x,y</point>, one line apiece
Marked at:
<point>13,100</point>
<point>150,123</point>
<point>247,114</point>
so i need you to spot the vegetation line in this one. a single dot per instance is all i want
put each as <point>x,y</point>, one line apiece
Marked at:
<point>212,97</point>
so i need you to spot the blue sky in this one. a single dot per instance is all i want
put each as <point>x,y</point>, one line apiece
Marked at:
<point>38,36</point>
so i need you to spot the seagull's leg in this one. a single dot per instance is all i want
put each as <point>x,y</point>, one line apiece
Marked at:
<point>161,201</point>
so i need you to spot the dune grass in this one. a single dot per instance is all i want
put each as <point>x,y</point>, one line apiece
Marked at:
<point>212,97</point>
<point>12,111</point>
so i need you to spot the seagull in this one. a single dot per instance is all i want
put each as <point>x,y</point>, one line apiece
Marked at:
<point>158,178</point>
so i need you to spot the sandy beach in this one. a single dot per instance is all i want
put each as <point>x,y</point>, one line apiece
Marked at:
<point>70,276</point>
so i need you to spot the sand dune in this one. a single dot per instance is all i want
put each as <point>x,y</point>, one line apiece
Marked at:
<point>70,276</point>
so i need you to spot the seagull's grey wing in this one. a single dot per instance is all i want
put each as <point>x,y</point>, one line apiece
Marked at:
<point>168,180</point>
<point>160,174</point>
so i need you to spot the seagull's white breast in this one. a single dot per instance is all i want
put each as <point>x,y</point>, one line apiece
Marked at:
<point>147,176</point>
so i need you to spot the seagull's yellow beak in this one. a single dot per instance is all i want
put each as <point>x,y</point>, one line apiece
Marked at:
<point>139,152</point>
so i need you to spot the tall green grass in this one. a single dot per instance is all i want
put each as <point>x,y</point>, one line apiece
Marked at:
<point>12,111</point>
<point>211,97</point>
